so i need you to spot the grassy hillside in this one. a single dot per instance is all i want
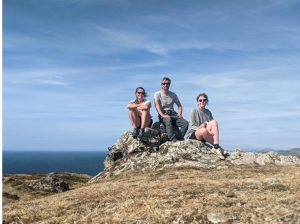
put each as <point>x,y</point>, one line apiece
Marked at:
<point>16,187</point>
<point>269,194</point>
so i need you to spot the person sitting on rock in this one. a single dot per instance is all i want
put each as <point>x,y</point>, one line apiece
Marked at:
<point>164,104</point>
<point>139,113</point>
<point>202,125</point>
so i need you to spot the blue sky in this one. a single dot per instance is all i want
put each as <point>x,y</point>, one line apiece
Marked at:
<point>70,67</point>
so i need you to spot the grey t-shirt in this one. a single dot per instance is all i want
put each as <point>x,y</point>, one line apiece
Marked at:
<point>166,100</point>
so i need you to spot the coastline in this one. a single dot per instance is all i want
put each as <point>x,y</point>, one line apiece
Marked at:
<point>41,162</point>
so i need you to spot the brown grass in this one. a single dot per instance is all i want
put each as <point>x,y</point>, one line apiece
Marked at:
<point>16,186</point>
<point>239,195</point>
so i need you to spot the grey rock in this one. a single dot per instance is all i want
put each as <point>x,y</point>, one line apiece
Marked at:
<point>230,194</point>
<point>154,152</point>
<point>247,158</point>
<point>51,183</point>
<point>217,217</point>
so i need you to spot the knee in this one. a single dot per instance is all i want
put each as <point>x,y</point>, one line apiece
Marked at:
<point>202,132</point>
<point>214,122</point>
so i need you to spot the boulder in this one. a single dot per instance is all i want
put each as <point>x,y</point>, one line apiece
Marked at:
<point>51,183</point>
<point>155,152</point>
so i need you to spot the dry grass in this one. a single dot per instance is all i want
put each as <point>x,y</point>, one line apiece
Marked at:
<point>239,195</point>
<point>16,186</point>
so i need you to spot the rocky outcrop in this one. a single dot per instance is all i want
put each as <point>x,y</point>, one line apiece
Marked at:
<point>249,158</point>
<point>155,152</point>
<point>50,183</point>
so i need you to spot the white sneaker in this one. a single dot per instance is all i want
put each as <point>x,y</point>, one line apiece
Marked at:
<point>219,152</point>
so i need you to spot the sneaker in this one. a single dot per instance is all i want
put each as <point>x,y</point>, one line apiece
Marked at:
<point>141,133</point>
<point>135,133</point>
<point>219,152</point>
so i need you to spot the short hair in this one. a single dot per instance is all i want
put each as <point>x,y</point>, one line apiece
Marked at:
<point>166,78</point>
<point>204,95</point>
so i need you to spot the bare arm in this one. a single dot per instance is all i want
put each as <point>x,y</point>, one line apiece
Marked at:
<point>144,106</point>
<point>132,105</point>
<point>180,109</point>
<point>158,109</point>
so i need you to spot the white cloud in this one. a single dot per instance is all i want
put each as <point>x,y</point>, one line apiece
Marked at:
<point>34,77</point>
<point>84,67</point>
<point>49,82</point>
<point>163,45</point>
<point>132,40</point>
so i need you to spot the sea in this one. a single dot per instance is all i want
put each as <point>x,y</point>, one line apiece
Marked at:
<point>84,162</point>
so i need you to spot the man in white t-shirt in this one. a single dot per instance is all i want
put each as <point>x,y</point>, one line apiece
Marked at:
<point>164,103</point>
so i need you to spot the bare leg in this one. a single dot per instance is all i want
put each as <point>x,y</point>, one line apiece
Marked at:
<point>211,135</point>
<point>213,129</point>
<point>203,134</point>
<point>134,118</point>
<point>145,119</point>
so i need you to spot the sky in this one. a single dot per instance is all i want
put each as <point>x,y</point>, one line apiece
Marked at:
<point>71,66</point>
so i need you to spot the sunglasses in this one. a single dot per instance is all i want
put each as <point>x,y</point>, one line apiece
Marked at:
<point>140,93</point>
<point>165,83</point>
<point>202,100</point>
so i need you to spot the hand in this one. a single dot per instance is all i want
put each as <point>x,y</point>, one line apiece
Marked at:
<point>141,107</point>
<point>166,116</point>
<point>179,115</point>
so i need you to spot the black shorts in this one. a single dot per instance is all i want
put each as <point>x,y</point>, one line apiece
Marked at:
<point>193,136</point>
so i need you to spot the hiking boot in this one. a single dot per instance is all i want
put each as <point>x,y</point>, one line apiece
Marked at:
<point>219,152</point>
<point>174,139</point>
<point>141,133</point>
<point>135,133</point>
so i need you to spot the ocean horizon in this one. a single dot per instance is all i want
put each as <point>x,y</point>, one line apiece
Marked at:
<point>84,162</point>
